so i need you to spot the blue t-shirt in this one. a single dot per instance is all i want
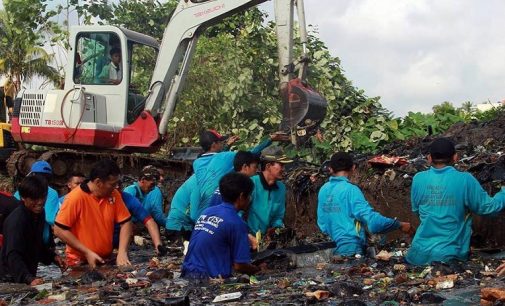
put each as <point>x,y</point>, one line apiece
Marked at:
<point>218,241</point>
<point>342,214</point>
<point>268,205</point>
<point>443,198</point>
<point>136,210</point>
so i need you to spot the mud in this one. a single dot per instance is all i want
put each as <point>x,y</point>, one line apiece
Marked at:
<point>344,281</point>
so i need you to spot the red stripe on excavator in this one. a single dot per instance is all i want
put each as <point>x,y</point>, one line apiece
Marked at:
<point>143,132</point>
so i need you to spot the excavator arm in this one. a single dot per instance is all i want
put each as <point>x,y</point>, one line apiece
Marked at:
<point>301,104</point>
<point>100,108</point>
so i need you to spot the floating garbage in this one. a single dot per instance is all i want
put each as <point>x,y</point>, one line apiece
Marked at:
<point>318,294</point>
<point>228,297</point>
<point>384,255</point>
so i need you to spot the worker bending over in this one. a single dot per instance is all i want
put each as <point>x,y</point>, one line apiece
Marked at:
<point>24,247</point>
<point>87,217</point>
<point>443,198</point>
<point>343,212</point>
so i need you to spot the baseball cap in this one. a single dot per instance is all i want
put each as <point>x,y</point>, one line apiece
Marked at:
<point>41,166</point>
<point>275,154</point>
<point>341,161</point>
<point>442,148</point>
<point>208,137</point>
<point>150,172</point>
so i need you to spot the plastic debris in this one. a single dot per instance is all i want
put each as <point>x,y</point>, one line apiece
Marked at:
<point>140,241</point>
<point>384,255</point>
<point>318,294</point>
<point>425,272</point>
<point>384,160</point>
<point>45,286</point>
<point>399,267</point>
<point>154,262</point>
<point>227,297</point>
<point>59,297</point>
<point>443,282</point>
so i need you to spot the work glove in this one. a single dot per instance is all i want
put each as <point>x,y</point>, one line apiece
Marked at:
<point>162,250</point>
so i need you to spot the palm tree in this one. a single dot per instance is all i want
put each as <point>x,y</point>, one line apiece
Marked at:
<point>21,56</point>
<point>467,107</point>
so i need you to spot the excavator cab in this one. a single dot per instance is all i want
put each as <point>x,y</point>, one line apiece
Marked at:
<point>104,88</point>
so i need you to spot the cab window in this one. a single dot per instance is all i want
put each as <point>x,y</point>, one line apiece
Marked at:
<point>98,59</point>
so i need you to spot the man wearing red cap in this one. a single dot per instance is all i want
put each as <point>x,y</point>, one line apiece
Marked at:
<point>208,176</point>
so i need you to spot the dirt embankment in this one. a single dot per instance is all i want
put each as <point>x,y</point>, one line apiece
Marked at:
<point>480,146</point>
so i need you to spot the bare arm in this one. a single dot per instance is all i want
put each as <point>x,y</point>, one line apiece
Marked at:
<point>246,268</point>
<point>125,234</point>
<point>69,238</point>
<point>154,232</point>
<point>501,269</point>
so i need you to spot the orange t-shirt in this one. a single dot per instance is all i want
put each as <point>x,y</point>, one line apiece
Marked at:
<point>91,220</point>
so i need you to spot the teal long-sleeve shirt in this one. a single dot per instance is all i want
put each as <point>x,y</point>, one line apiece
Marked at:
<point>179,214</point>
<point>219,165</point>
<point>342,210</point>
<point>268,205</point>
<point>152,202</point>
<point>443,199</point>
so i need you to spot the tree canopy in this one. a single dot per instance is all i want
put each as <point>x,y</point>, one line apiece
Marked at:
<point>232,85</point>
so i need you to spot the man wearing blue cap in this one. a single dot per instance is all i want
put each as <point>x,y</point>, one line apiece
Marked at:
<point>443,198</point>
<point>43,169</point>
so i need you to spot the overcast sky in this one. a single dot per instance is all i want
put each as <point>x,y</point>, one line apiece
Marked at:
<point>416,53</point>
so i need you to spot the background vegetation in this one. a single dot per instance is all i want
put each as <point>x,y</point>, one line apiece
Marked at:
<point>232,84</point>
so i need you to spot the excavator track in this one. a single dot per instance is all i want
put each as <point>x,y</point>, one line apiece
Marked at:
<point>176,166</point>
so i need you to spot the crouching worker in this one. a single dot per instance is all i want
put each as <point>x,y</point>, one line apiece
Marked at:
<point>24,247</point>
<point>443,198</point>
<point>220,238</point>
<point>139,213</point>
<point>343,212</point>
<point>87,217</point>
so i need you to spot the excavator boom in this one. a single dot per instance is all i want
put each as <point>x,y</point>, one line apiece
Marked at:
<point>106,105</point>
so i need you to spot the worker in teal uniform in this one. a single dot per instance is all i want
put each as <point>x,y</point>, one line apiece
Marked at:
<point>443,198</point>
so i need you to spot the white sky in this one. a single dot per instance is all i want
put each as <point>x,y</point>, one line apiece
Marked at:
<point>415,53</point>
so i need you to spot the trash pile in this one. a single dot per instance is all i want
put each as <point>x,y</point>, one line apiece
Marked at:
<point>386,178</point>
<point>294,275</point>
<point>301,268</point>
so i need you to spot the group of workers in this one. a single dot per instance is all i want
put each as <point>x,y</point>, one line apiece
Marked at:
<point>92,219</point>
<point>231,199</point>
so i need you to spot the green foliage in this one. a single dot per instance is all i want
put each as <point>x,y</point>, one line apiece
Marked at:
<point>24,25</point>
<point>232,86</point>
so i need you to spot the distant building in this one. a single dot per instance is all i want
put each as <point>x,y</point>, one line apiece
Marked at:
<point>483,107</point>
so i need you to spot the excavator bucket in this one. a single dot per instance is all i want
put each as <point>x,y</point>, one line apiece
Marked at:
<point>303,109</point>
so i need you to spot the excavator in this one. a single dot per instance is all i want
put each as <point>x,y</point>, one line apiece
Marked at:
<point>106,106</point>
